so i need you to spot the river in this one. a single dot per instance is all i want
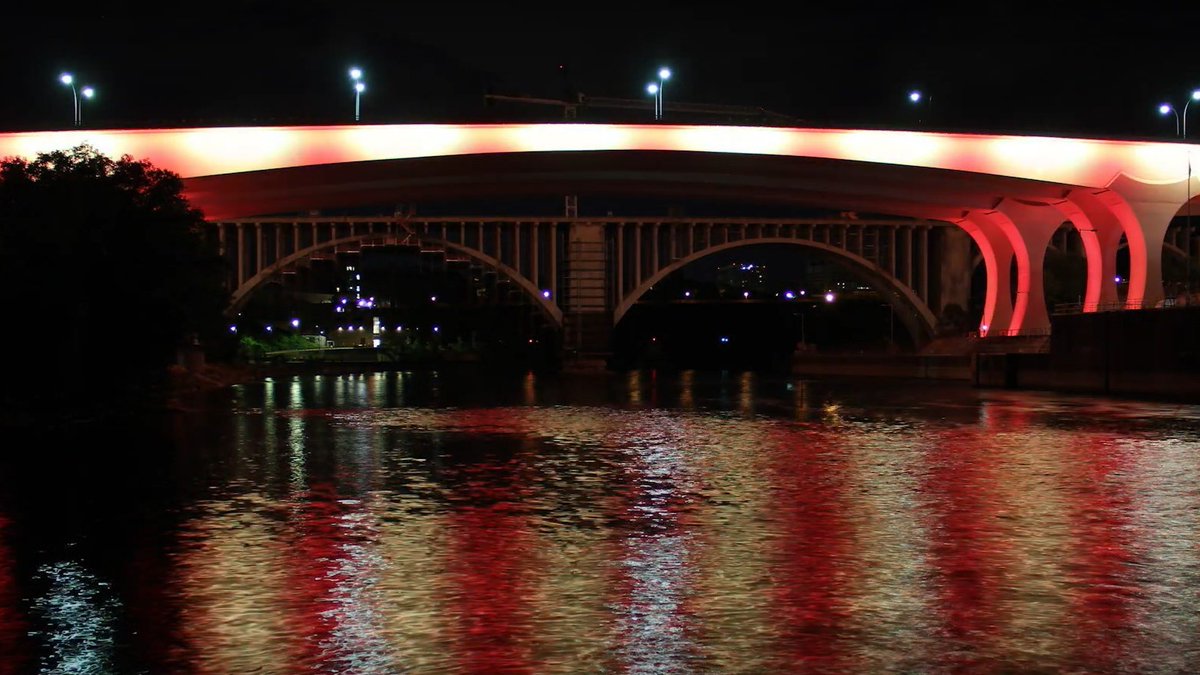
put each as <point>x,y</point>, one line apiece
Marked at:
<point>642,522</point>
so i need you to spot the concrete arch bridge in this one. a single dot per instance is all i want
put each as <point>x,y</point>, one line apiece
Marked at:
<point>1008,194</point>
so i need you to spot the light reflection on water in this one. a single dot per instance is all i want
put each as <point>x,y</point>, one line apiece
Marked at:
<point>644,522</point>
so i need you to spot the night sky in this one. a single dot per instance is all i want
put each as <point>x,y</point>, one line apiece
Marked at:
<point>1047,67</point>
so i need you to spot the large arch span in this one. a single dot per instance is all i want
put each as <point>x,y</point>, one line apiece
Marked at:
<point>1010,192</point>
<point>920,320</point>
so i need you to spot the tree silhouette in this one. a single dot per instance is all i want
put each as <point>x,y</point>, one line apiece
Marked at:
<point>107,271</point>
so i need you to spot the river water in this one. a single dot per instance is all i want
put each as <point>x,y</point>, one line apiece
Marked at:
<point>642,522</point>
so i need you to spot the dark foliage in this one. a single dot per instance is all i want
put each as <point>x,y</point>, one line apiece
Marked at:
<point>107,274</point>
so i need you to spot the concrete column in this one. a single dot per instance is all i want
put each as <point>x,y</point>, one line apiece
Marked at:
<point>996,250</point>
<point>654,259</point>
<point>923,268</point>
<point>258,248</point>
<point>691,239</point>
<point>241,254</point>
<point>620,262</point>
<point>892,251</point>
<point>674,253</point>
<point>637,248</point>
<point>1030,228</point>
<point>533,255</point>
<point>517,248</point>
<point>553,250</point>
<point>1100,234</point>
<point>908,256</point>
<point>1154,218</point>
<point>954,280</point>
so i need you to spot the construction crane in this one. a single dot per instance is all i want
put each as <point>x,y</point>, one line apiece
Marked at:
<point>583,102</point>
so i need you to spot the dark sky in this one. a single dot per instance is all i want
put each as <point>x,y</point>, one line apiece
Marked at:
<point>1048,67</point>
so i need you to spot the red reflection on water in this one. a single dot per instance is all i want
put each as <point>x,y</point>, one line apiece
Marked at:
<point>312,560</point>
<point>14,654</point>
<point>815,556</point>
<point>968,551</point>
<point>1100,562</point>
<point>490,571</point>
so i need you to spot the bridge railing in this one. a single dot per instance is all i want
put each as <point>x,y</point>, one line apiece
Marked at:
<point>1181,300</point>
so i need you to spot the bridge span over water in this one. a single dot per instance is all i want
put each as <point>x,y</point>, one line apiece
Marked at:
<point>1009,194</point>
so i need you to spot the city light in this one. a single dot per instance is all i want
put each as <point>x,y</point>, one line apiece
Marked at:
<point>546,294</point>
<point>789,295</point>
<point>829,297</point>
<point>295,323</point>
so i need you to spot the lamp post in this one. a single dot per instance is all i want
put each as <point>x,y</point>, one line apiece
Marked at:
<point>1168,108</point>
<point>359,87</point>
<point>664,74</point>
<point>88,92</point>
<point>652,89</point>
<point>1181,130</point>
<point>915,97</point>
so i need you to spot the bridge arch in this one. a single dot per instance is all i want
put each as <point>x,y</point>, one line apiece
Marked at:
<point>920,321</point>
<point>246,288</point>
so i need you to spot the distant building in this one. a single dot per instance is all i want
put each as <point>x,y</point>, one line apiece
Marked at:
<point>739,278</point>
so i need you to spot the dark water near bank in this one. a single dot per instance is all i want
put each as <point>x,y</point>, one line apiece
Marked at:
<point>647,523</point>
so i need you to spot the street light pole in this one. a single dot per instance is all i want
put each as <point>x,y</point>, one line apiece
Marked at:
<point>87,93</point>
<point>652,89</point>
<point>1168,108</point>
<point>68,80</point>
<point>1187,226</point>
<point>359,87</point>
<point>915,97</point>
<point>664,74</point>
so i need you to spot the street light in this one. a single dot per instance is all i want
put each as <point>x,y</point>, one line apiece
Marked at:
<point>664,74</point>
<point>356,75</point>
<point>1168,108</point>
<point>915,97</point>
<point>1194,97</point>
<point>88,92</point>
<point>1181,130</point>
<point>652,89</point>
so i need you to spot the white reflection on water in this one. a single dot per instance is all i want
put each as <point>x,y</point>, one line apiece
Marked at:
<point>80,616</point>
<point>653,626</point>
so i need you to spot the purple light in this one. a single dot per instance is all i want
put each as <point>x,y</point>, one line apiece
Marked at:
<point>546,294</point>
<point>789,295</point>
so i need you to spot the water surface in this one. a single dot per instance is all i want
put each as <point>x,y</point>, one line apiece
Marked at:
<point>643,522</point>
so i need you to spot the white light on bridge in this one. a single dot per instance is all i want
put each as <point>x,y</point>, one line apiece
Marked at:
<point>914,96</point>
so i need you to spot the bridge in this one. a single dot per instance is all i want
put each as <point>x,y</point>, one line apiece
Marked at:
<point>1010,196</point>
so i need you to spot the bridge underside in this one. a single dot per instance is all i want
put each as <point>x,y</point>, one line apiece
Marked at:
<point>1010,220</point>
